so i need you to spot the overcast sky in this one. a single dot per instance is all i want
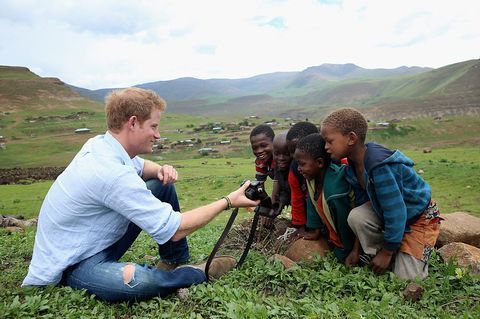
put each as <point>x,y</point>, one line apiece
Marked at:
<point>115,43</point>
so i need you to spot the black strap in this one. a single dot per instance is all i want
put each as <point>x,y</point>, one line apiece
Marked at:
<point>251,236</point>
<point>220,240</point>
<point>259,211</point>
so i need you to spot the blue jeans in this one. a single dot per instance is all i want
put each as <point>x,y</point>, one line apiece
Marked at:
<point>110,280</point>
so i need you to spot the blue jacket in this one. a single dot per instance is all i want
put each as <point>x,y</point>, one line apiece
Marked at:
<point>397,193</point>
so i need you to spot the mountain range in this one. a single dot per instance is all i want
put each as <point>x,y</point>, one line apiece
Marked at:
<point>381,93</point>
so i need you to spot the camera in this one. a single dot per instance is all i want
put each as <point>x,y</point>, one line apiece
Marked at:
<point>256,191</point>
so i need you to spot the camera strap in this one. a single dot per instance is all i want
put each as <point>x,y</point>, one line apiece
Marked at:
<point>258,212</point>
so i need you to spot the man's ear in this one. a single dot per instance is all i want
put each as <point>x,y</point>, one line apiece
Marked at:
<point>132,121</point>
<point>352,138</point>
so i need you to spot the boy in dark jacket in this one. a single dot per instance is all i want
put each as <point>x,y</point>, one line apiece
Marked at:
<point>395,221</point>
<point>304,216</point>
<point>329,192</point>
<point>282,159</point>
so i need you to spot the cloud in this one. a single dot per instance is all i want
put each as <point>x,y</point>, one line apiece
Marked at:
<point>206,49</point>
<point>109,43</point>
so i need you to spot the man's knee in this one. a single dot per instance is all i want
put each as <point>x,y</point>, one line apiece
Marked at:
<point>129,275</point>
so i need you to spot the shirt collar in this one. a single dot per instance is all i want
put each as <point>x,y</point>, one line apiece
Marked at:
<point>119,150</point>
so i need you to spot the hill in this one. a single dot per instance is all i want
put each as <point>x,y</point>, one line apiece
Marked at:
<point>281,91</point>
<point>23,90</point>
<point>382,93</point>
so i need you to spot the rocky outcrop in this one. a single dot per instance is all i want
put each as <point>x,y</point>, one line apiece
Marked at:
<point>286,262</point>
<point>459,227</point>
<point>466,255</point>
<point>303,249</point>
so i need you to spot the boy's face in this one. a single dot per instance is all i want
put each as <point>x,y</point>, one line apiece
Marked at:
<point>308,166</point>
<point>262,146</point>
<point>336,143</point>
<point>281,155</point>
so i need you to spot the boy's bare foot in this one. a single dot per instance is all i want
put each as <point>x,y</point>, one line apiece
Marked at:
<point>312,234</point>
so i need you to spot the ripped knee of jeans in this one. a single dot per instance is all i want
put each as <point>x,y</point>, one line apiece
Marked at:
<point>129,275</point>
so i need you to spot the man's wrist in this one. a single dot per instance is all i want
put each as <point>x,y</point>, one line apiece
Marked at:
<point>229,202</point>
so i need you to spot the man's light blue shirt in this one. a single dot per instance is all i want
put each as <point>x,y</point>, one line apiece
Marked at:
<point>89,206</point>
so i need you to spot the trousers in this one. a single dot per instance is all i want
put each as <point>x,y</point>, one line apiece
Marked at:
<point>368,228</point>
<point>111,280</point>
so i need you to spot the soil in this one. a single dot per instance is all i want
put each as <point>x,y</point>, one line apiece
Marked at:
<point>28,175</point>
<point>267,241</point>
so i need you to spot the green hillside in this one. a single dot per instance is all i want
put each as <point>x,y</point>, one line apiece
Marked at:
<point>453,89</point>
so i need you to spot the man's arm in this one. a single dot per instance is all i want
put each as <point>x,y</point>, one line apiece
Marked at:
<point>165,173</point>
<point>199,217</point>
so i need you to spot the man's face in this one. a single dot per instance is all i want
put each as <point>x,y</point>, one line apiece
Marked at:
<point>281,155</point>
<point>146,133</point>
<point>336,143</point>
<point>307,165</point>
<point>262,146</point>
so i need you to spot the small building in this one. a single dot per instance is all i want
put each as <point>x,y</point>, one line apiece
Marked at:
<point>82,130</point>
<point>225,142</point>
<point>205,150</point>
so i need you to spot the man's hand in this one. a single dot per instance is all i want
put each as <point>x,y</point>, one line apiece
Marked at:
<point>381,261</point>
<point>167,174</point>
<point>239,199</point>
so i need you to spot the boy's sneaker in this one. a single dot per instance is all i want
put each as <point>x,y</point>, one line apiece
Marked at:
<point>365,259</point>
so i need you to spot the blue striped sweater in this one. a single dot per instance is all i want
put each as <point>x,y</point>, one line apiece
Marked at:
<point>397,193</point>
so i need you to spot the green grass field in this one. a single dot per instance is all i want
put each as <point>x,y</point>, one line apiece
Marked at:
<point>317,289</point>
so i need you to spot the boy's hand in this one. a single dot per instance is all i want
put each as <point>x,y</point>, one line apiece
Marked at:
<point>381,261</point>
<point>354,256</point>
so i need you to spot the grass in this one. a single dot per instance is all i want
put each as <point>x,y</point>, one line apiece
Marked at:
<point>261,289</point>
<point>321,288</point>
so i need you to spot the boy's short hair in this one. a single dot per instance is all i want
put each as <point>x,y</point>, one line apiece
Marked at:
<point>301,129</point>
<point>348,120</point>
<point>314,146</point>
<point>120,105</point>
<point>262,129</point>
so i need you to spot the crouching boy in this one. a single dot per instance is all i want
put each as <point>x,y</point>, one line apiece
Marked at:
<point>397,223</point>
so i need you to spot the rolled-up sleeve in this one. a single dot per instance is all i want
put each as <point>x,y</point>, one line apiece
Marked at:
<point>129,196</point>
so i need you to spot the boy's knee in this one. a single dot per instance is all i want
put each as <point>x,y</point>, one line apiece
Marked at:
<point>355,218</point>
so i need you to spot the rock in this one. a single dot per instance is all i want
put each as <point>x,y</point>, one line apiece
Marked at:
<point>466,255</point>
<point>303,249</point>
<point>421,171</point>
<point>183,294</point>
<point>286,262</point>
<point>30,222</point>
<point>459,227</point>
<point>427,150</point>
<point>10,221</point>
<point>14,229</point>
<point>14,222</point>
<point>413,292</point>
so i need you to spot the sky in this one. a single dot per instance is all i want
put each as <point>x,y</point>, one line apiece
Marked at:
<point>118,43</point>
